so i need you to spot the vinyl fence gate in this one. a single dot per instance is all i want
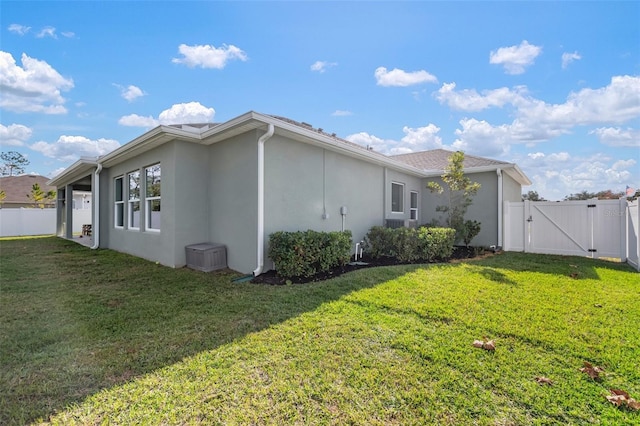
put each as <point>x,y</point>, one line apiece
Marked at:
<point>593,228</point>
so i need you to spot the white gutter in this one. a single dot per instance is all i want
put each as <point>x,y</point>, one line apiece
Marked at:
<point>260,241</point>
<point>500,197</point>
<point>95,227</point>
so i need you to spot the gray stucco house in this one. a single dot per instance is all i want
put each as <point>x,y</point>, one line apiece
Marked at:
<point>236,182</point>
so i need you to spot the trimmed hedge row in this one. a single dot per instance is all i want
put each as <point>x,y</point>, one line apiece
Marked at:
<point>306,253</point>
<point>410,245</point>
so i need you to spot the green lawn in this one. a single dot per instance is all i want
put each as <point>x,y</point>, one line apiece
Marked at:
<point>98,337</point>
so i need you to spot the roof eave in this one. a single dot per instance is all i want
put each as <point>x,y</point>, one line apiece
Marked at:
<point>75,171</point>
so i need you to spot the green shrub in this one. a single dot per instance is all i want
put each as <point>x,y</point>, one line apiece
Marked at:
<point>436,243</point>
<point>410,245</point>
<point>470,229</point>
<point>304,254</point>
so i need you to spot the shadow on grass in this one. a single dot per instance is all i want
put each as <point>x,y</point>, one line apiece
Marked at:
<point>76,321</point>
<point>571,266</point>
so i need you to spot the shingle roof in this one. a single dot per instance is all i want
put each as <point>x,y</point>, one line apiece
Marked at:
<point>17,188</point>
<point>437,159</point>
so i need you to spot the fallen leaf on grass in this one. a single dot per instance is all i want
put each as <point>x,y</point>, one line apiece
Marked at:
<point>488,345</point>
<point>544,380</point>
<point>573,266</point>
<point>592,371</point>
<point>597,305</point>
<point>619,398</point>
<point>574,275</point>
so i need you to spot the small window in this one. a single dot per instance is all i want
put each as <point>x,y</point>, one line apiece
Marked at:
<point>413,212</point>
<point>397,197</point>
<point>119,202</point>
<point>152,197</point>
<point>134,200</point>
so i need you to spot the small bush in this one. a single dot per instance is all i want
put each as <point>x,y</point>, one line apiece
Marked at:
<point>305,254</point>
<point>410,245</point>
<point>470,229</point>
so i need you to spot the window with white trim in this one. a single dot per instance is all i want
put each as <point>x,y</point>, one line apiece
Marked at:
<point>133,221</point>
<point>413,208</point>
<point>118,191</point>
<point>152,195</point>
<point>397,197</point>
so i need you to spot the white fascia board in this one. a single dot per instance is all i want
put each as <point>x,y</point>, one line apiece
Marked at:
<point>79,169</point>
<point>151,139</point>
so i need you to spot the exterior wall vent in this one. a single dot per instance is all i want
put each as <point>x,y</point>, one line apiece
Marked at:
<point>206,257</point>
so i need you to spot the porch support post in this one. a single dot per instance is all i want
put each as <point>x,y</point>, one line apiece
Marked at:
<point>68,212</point>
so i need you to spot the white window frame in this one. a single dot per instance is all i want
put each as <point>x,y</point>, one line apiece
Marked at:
<point>149,200</point>
<point>132,201</point>
<point>118,204</point>
<point>413,211</point>
<point>401,185</point>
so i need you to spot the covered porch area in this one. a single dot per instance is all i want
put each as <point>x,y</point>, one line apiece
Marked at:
<point>79,178</point>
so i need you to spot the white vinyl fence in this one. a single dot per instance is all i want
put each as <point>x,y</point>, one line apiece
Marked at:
<point>594,228</point>
<point>25,221</point>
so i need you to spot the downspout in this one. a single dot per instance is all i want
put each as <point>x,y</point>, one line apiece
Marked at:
<point>95,227</point>
<point>500,197</point>
<point>260,241</point>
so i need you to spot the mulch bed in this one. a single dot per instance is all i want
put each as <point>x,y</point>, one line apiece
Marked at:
<point>272,278</point>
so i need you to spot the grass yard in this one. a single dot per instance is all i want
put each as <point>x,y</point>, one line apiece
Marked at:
<point>99,337</point>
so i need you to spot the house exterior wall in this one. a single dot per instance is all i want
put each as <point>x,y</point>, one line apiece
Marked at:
<point>512,190</point>
<point>233,198</point>
<point>483,209</point>
<point>303,181</point>
<point>152,245</point>
<point>409,183</point>
<point>190,217</point>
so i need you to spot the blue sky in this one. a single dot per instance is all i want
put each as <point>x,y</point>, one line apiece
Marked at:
<point>551,86</point>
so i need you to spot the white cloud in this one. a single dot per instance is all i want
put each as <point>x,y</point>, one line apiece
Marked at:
<point>614,103</point>
<point>471,100</point>
<point>414,140</point>
<point>515,59</point>
<point>568,58</point>
<point>135,120</point>
<point>478,137</point>
<point>68,34</point>
<point>34,87</point>
<point>47,32</point>
<point>190,112</point>
<point>18,29</point>
<point>70,148</point>
<point>130,93</point>
<point>370,141</point>
<point>341,113</point>
<point>615,136</point>
<point>322,66</point>
<point>536,121</point>
<point>208,56</point>
<point>14,134</point>
<point>399,78</point>
<point>56,172</point>
<point>559,174</point>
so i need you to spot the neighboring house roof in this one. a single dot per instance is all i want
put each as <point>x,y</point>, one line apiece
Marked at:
<point>18,188</point>
<point>210,133</point>
<point>438,159</point>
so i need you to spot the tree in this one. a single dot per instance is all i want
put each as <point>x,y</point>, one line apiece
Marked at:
<point>532,196</point>
<point>607,194</point>
<point>459,196</point>
<point>39,197</point>
<point>3,195</point>
<point>13,162</point>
